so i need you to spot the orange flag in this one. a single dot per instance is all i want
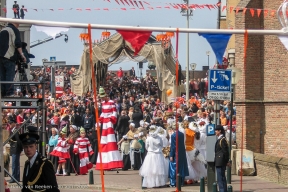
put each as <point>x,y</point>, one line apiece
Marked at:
<point>231,9</point>
<point>252,11</point>
<point>272,13</point>
<point>266,13</point>
<point>237,10</point>
<point>259,12</point>
<point>244,11</point>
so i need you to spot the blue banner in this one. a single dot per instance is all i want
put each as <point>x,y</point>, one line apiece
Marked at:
<point>218,43</point>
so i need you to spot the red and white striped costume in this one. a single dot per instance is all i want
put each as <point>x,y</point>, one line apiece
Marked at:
<point>111,157</point>
<point>80,147</point>
<point>61,150</point>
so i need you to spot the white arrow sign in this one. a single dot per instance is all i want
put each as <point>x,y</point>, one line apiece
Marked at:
<point>214,79</point>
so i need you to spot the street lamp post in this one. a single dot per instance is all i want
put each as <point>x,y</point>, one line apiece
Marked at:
<point>51,64</point>
<point>208,54</point>
<point>236,73</point>
<point>189,12</point>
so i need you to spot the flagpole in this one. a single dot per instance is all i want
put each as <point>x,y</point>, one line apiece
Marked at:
<point>154,29</point>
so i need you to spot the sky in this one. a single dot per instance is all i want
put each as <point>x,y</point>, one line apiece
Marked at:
<point>71,52</point>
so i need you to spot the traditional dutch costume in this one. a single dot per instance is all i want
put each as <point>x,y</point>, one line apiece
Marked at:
<point>82,147</point>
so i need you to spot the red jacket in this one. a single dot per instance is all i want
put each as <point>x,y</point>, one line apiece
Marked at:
<point>120,73</point>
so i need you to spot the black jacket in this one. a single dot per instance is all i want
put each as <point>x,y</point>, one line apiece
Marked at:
<point>76,120</point>
<point>221,152</point>
<point>88,121</point>
<point>137,117</point>
<point>131,72</point>
<point>4,42</point>
<point>41,174</point>
<point>123,124</point>
<point>15,144</point>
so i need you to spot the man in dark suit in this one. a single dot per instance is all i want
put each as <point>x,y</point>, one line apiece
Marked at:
<point>123,125</point>
<point>137,117</point>
<point>38,174</point>
<point>15,151</point>
<point>221,158</point>
<point>88,121</point>
<point>132,72</point>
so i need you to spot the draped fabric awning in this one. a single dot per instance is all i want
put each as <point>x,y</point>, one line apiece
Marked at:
<point>115,50</point>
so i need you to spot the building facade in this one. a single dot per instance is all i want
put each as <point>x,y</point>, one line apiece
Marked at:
<point>261,95</point>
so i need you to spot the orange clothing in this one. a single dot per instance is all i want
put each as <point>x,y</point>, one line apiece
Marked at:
<point>195,101</point>
<point>223,121</point>
<point>62,111</point>
<point>189,143</point>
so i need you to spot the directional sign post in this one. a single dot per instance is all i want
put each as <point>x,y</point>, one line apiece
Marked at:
<point>219,84</point>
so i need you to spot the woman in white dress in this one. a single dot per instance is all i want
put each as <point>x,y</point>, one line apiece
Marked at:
<point>153,169</point>
<point>198,158</point>
<point>166,148</point>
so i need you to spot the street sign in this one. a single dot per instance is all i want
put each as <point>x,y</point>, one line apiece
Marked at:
<point>210,129</point>
<point>219,80</point>
<point>219,96</point>
<point>59,81</point>
<point>52,59</point>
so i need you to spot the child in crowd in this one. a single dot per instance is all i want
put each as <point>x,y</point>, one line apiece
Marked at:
<point>142,140</point>
<point>80,148</point>
<point>136,149</point>
<point>125,149</point>
<point>61,151</point>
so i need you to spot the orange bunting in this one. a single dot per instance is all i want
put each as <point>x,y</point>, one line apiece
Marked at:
<point>237,9</point>
<point>252,11</point>
<point>224,7</point>
<point>105,34</point>
<point>231,9</point>
<point>84,37</point>
<point>266,13</point>
<point>272,13</point>
<point>244,11</point>
<point>170,35</point>
<point>161,37</point>
<point>259,12</point>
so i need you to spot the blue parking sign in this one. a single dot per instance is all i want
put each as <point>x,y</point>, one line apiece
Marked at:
<point>210,129</point>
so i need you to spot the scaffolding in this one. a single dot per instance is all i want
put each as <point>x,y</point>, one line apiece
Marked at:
<point>37,104</point>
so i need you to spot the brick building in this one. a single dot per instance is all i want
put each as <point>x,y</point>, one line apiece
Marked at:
<point>262,92</point>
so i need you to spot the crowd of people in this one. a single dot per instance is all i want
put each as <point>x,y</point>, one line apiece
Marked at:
<point>137,129</point>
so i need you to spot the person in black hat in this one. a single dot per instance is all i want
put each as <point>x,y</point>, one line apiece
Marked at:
<point>38,174</point>
<point>221,158</point>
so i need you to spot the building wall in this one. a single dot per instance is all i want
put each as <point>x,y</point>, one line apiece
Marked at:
<point>230,21</point>
<point>262,92</point>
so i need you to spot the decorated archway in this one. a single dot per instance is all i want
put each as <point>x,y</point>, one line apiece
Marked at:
<point>114,50</point>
